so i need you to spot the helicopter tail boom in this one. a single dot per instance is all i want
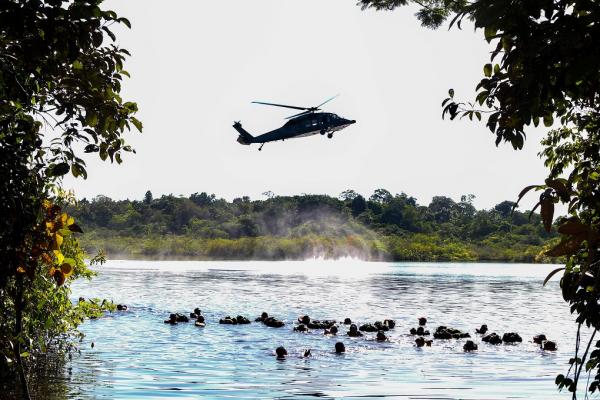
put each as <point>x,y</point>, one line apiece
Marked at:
<point>245,138</point>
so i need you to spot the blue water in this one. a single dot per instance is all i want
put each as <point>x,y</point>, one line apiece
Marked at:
<point>136,355</point>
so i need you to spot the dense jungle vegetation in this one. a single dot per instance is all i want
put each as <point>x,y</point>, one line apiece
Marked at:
<point>381,227</point>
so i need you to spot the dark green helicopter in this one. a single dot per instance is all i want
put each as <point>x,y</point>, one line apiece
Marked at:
<point>307,123</point>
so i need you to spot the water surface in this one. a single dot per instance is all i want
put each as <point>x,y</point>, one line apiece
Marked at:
<point>136,355</point>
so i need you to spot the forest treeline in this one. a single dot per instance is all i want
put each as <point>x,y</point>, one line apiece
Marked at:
<point>380,227</point>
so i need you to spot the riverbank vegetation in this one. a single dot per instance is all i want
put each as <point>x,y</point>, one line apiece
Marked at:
<point>380,227</point>
<point>61,72</point>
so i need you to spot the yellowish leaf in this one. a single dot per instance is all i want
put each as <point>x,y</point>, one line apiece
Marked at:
<point>59,257</point>
<point>50,226</point>
<point>58,241</point>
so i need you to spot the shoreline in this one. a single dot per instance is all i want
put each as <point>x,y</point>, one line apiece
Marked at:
<point>122,257</point>
<point>418,247</point>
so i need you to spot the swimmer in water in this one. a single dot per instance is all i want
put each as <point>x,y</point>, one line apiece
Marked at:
<point>281,352</point>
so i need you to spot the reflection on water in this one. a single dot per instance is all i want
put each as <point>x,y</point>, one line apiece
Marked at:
<point>136,355</point>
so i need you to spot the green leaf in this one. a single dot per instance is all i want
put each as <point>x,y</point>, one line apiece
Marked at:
<point>91,119</point>
<point>78,170</point>
<point>97,38</point>
<point>109,33</point>
<point>523,193</point>
<point>137,123</point>
<point>125,21</point>
<point>77,65</point>
<point>547,213</point>
<point>64,232</point>
<point>487,70</point>
<point>548,120</point>
<point>69,261</point>
<point>59,169</point>
<point>489,33</point>
<point>551,274</point>
<point>91,148</point>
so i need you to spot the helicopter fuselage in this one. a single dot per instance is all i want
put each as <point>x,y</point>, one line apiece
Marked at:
<point>302,126</point>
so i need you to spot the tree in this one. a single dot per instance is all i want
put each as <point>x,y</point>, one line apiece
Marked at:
<point>358,205</point>
<point>202,199</point>
<point>148,197</point>
<point>348,195</point>
<point>505,208</point>
<point>465,207</point>
<point>467,198</point>
<point>443,208</point>
<point>544,67</point>
<point>60,78</point>
<point>381,196</point>
<point>268,194</point>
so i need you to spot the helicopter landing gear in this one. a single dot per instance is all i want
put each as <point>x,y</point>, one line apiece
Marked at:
<point>261,146</point>
<point>329,135</point>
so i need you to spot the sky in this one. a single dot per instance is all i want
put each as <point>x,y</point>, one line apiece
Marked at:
<point>196,66</point>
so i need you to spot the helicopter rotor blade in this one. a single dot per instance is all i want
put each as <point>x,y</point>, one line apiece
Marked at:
<point>281,105</point>
<point>300,114</point>
<point>326,101</point>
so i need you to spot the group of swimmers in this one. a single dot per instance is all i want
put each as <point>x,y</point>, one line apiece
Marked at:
<point>330,327</point>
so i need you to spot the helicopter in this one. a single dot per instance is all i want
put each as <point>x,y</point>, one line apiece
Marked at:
<point>306,123</point>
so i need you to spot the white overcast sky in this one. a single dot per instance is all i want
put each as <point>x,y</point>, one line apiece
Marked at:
<point>197,65</point>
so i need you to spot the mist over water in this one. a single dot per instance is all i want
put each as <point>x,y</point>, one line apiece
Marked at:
<point>137,355</point>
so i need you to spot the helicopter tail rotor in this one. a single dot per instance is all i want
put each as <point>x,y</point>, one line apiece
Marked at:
<point>245,138</point>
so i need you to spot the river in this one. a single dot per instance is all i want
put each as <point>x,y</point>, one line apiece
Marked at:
<point>136,355</point>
